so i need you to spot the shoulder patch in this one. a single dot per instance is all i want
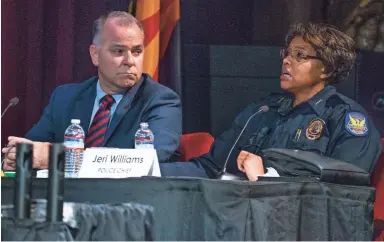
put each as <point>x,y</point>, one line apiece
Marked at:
<point>356,124</point>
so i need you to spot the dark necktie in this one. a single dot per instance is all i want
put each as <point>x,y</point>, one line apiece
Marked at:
<point>100,122</point>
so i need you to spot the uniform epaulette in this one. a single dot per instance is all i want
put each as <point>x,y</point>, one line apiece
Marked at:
<point>335,100</point>
<point>339,99</point>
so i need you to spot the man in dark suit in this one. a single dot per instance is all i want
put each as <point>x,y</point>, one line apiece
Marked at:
<point>126,95</point>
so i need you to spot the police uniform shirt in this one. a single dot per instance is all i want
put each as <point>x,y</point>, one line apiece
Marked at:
<point>329,124</point>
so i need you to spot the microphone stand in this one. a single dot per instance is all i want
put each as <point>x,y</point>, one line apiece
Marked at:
<point>9,105</point>
<point>223,175</point>
<point>12,103</point>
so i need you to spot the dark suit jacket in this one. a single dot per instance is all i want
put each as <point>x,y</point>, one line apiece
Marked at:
<point>147,101</point>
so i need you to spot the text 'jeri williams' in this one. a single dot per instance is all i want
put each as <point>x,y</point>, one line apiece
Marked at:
<point>118,159</point>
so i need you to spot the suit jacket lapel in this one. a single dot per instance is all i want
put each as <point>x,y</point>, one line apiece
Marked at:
<point>83,104</point>
<point>124,106</point>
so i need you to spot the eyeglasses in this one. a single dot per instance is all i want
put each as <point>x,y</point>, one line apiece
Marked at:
<point>297,55</point>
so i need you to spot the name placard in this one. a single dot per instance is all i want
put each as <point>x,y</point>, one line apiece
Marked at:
<point>119,163</point>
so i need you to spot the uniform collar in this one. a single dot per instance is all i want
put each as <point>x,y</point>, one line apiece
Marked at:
<point>317,102</point>
<point>285,105</point>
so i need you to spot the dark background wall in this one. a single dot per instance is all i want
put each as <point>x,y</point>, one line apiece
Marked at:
<point>224,63</point>
<point>245,22</point>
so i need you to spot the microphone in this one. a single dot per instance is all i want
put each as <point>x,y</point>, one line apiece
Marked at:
<point>260,139</point>
<point>13,102</point>
<point>223,175</point>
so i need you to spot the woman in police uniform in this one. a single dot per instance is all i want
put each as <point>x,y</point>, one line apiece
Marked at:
<point>315,117</point>
<point>312,116</point>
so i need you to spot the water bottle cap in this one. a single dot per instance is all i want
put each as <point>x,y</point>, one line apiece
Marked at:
<point>144,125</point>
<point>75,121</point>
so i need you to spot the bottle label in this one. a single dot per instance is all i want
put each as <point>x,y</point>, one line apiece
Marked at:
<point>74,143</point>
<point>144,145</point>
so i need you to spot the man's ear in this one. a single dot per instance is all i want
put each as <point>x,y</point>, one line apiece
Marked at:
<point>94,53</point>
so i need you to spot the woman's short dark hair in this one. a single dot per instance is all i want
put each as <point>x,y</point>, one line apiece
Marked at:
<point>335,48</point>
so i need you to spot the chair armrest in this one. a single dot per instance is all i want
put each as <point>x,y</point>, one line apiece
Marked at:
<point>308,164</point>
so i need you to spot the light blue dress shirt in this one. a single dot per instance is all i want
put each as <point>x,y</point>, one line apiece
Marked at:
<point>99,95</point>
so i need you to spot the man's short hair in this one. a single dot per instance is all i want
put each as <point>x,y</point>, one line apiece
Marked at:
<point>123,18</point>
<point>335,48</point>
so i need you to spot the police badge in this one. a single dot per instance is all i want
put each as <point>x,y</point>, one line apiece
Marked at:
<point>315,129</point>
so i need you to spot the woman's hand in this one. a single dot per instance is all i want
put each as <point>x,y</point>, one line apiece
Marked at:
<point>250,164</point>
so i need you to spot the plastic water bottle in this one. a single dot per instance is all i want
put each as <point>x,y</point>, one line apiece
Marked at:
<point>74,143</point>
<point>144,138</point>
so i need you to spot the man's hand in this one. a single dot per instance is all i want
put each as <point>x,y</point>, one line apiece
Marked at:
<point>250,164</point>
<point>40,153</point>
